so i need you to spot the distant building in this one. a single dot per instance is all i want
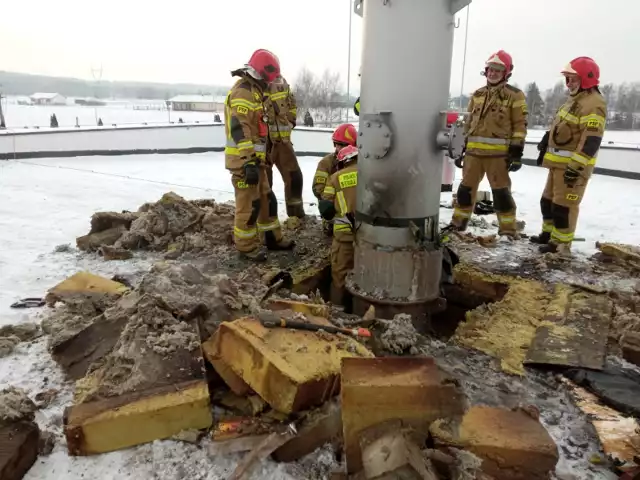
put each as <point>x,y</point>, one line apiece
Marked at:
<point>196,103</point>
<point>48,99</point>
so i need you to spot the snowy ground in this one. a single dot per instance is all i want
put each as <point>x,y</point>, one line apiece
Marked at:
<point>48,202</point>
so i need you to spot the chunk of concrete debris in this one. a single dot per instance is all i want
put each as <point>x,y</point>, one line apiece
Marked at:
<point>7,345</point>
<point>15,406</point>
<point>76,350</point>
<point>19,434</point>
<point>391,451</point>
<point>248,405</point>
<point>400,335</point>
<point>161,222</point>
<point>626,253</point>
<point>112,253</point>
<point>46,443</point>
<point>24,331</point>
<point>19,443</point>
<point>375,390</point>
<point>85,284</point>
<point>630,343</point>
<point>93,241</point>
<point>511,444</point>
<point>150,386</point>
<point>102,221</point>
<point>43,399</point>
<point>188,436</point>
<point>271,362</point>
<point>318,427</point>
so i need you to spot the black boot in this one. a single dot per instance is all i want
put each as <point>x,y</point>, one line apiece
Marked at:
<point>257,255</point>
<point>542,239</point>
<point>281,245</point>
<point>548,248</point>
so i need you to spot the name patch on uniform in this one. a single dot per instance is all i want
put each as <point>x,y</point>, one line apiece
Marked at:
<point>348,179</point>
<point>593,124</point>
<point>572,197</point>
<point>243,110</point>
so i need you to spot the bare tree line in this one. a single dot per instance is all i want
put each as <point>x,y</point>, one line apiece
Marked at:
<point>623,104</point>
<point>322,95</point>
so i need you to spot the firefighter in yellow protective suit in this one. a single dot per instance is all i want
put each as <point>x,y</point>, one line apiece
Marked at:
<point>256,217</point>
<point>345,134</point>
<point>282,113</point>
<point>569,150</point>
<point>495,133</point>
<point>338,204</point>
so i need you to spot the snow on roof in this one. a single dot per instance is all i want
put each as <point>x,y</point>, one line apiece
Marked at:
<point>44,95</point>
<point>197,99</point>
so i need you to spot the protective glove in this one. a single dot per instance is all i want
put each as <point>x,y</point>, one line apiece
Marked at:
<point>542,148</point>
<point>327,209</point>
<point>251,172</point>
<point>459,162</point>
<point>571,176</point>
<point>514,158</point>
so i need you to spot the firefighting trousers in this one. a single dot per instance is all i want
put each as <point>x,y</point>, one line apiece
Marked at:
<point>256,219</point>
<point>560,206</point>
<point>342,253</point>
<point>284,158</point>
<point>473,171</point>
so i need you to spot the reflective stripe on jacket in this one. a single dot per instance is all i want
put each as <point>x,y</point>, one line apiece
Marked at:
<point>497,119</point>
<point>576,133</point>
<point>341,189</point>
<point>246,134</point>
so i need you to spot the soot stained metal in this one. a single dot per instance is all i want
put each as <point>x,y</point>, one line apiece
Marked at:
<point>406,69</point>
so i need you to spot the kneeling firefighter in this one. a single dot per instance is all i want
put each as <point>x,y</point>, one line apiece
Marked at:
<point>346,134</point>
<point>256,216</point>
<point>495,133</point>
<point>569,150</point>
<point>339,204</point>
<point>282,113</point>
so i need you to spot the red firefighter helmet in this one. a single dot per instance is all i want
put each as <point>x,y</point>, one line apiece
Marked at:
<point>265,64</point>
<point>587,69</point>
<point>345,134</point>
<point>347,153</point>
<point>500,58</point>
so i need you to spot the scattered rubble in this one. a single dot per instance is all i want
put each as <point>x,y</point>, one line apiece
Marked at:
<point>15,406</point>
<point>43,399</point>
<point>138,353</point>
<point>400,335</point>
<point>511,444</point>
<point>19,434</point>
<point>375,390</point>
<point>12,335</point>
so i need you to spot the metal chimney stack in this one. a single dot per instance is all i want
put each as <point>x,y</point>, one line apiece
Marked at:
<point>406,69</point>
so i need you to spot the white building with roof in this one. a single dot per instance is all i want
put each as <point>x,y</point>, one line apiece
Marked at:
<point>43,98</point>
<point>197,103</point>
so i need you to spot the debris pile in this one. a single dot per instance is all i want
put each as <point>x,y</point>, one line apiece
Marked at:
<point>12,335</point>
<point>173,225</point>
<point>249,359</point>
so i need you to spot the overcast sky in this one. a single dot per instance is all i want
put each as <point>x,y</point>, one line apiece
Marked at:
<point>201,40</point>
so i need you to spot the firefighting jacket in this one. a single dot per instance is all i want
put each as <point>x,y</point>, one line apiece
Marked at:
<point>576,133</point>
<point>281,110</point>
<point>244,126</point>
<point>341,189</point>
<point>326,167</point>
<point>497,119</point>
